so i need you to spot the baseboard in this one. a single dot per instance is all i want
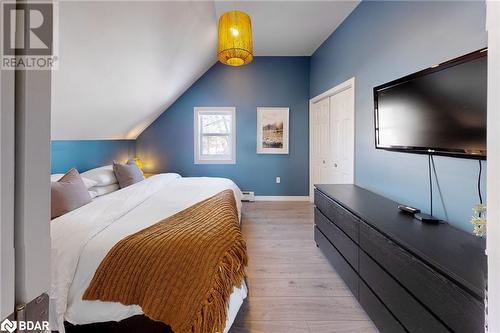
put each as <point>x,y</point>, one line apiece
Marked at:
<point>281,198</point>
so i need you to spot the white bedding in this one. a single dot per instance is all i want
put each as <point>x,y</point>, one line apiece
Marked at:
<point>82,238</point>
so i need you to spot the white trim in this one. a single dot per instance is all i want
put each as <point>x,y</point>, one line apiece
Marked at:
<point>493,172</point>
<point>351,83</point>
<point>286,132</point>
<point>334,91</point>
<point>281,198</point>
<point>7,141</point>
<point>214,110</point>
<point>311,185</point>
<point>32,184</point>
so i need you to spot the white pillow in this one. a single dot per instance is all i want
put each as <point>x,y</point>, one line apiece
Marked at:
<point>103,176</point>
<point>93,194</point>
<point>55,177</point>
<point>97,191</point>
<point>87,182</point>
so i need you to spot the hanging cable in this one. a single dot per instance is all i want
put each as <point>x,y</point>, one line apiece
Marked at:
<point>430,180</point>
<point>479,182</point>
<point>479,185</point>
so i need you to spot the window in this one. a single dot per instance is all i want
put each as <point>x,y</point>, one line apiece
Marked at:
<point>214,135</point>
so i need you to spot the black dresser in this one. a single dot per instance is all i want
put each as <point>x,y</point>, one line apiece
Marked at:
<point>408,276</point>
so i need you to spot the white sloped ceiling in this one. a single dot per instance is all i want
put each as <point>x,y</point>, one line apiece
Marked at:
<point>122,63</point>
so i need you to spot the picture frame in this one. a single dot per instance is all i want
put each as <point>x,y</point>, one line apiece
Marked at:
<point>273,130</point>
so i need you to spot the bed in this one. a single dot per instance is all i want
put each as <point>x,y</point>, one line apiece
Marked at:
<point>82,238</point>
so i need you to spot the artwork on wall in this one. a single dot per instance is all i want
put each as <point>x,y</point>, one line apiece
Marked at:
<point>272,130</point>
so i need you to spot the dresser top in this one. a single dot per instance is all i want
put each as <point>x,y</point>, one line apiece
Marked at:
<point>453,252</point>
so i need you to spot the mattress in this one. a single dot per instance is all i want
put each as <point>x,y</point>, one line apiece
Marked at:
<point>82,238</point>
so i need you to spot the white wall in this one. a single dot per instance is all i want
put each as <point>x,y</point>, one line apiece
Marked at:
<point>122,63</point>
<point>493,203</point>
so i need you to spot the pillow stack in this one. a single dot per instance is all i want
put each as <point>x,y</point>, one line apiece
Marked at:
<point>105,180</point>
<point>72,190</point>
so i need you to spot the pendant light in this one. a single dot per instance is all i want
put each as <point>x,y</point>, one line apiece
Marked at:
<point>235,39</point>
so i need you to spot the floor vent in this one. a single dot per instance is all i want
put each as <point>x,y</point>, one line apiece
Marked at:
<point>248,196</point>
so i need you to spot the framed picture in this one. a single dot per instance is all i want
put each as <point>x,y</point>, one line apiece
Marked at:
<point>272,130</point>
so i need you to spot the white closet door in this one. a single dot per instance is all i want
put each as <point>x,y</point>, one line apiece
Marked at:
<point>319,146</point>
<point>332,136</point>
<point>342,137</point>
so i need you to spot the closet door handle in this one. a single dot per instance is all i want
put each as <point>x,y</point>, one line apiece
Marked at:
<point>335,164</point>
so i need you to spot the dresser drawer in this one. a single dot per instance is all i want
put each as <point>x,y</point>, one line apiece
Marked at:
<point>337,214</point>
<point>383,319</point>
<point>338,238</point>
<point>349,276</point>
<point>454,306</point>
<point>413,316</point>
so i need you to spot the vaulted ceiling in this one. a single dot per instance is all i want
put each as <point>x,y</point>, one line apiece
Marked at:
<point>122,63</point>
<point>290,28</point>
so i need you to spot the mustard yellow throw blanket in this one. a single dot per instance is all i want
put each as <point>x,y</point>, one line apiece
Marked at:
<point>182,270</point>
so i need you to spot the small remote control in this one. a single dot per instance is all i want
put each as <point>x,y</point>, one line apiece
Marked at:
<point>408,209</point>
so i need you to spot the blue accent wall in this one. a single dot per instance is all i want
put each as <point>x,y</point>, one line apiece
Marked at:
<point>167,145</point>
<point>380,42</point>
<point>88,154</point>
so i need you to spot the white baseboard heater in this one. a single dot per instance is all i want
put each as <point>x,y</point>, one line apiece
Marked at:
<point>248,196</point>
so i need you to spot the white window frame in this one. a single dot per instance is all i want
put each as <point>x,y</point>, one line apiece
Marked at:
<point>198,157</point>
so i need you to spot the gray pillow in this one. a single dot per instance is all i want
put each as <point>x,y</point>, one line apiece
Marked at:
<point>127,174</point>
<point>68,193</point>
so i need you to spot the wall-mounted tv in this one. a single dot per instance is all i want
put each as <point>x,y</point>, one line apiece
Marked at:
<point>440,110</point>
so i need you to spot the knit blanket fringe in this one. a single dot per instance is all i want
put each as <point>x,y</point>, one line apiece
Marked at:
<point>182,270</point>
<point>212,315</point>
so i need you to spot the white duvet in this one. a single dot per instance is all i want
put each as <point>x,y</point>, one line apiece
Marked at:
<point>82,238</point>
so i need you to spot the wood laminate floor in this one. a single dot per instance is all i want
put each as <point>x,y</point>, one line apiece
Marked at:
<point>292,287</point>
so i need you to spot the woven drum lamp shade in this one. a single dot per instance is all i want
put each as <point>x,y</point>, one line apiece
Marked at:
<point>235,39</point>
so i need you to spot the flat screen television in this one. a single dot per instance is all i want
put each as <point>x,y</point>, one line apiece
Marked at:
<point>440,110</point>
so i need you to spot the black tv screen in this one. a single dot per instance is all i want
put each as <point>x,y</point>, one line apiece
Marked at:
<point>440,110</point>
